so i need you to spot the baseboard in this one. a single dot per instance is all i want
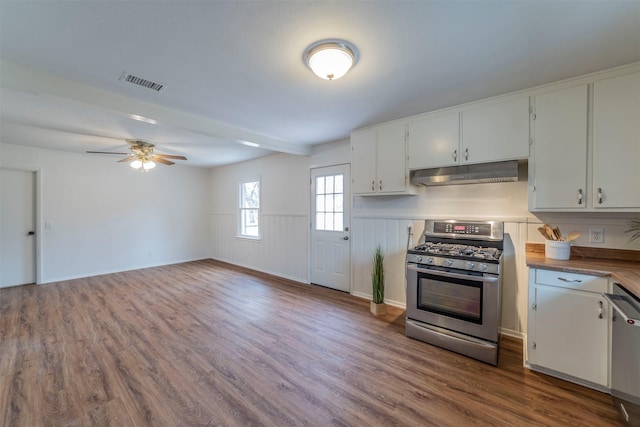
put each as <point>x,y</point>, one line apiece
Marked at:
<point>101,273</point>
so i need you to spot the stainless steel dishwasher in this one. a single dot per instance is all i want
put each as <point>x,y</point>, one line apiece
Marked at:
<point>625,354</point>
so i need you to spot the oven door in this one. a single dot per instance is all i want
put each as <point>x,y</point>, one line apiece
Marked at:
<point>465,302</point>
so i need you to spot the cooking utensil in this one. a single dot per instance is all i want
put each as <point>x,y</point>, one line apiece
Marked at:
<point>557,234</point>
<point>572,236</point>
<point>544,233</point>
<point>549,231</point>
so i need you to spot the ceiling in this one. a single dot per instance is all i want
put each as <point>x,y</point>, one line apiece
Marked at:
<point>236,84</point>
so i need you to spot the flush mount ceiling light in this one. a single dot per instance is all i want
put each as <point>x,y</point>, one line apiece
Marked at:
<point>331,59</point>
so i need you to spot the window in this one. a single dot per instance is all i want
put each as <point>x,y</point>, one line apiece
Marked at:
<point>249,211</point>
<point>329,202</point>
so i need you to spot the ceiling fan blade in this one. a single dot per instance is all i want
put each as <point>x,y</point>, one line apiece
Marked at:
<point>171,156</point>
<point>161,160</point>
<point>128,159</point>
<point>106,152</point>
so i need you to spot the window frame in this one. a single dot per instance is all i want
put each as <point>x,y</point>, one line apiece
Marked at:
<point>242,209</point>
<point>325,211</point>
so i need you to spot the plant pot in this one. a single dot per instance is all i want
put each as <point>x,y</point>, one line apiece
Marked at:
<point>378,309</point>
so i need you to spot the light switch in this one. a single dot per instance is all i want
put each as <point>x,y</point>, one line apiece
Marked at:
<point>48,225</point>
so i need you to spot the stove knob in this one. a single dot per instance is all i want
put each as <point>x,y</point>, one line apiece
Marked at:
<point>483,267</point>
<point>430,260</point>
<point>449,262</point>
<point>419,259</point>
<point>471,264</point>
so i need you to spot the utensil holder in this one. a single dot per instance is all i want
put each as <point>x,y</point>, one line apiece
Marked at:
<point>557,250</point>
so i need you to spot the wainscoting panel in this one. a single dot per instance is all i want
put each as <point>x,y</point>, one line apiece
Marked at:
<point>282,248</point>
<point>391,235</point>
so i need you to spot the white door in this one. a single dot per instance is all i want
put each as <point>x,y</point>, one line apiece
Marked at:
<point>330,244</point>
<point>17,227</point>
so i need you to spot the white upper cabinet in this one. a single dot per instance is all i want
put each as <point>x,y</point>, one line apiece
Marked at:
<point>485,132</point>
<point>560,151</point>
<point>587,160</point>
<point>392,159</point>
<point>434,141</point>
<point>616,142</point>
<point>363,161</point>
<point>378,160</point>
<point>496,131</point>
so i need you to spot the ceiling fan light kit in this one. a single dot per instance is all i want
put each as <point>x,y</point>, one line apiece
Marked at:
<point>142,156</point>
<point>145,164</point>
<point>331,59</point>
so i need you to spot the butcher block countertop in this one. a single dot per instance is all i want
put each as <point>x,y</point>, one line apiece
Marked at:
<point>622,265</point>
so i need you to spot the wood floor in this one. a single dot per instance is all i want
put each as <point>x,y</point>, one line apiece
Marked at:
<point>204,343</point>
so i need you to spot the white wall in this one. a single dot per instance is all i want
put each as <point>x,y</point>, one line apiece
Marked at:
<point>108,217</point>
<point>284,186</point>
<point>283,249</point>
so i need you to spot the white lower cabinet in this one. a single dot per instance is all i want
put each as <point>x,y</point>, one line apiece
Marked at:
<point>568,328</point>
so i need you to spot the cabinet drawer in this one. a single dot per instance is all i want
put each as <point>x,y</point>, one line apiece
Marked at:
<point>581,282</point>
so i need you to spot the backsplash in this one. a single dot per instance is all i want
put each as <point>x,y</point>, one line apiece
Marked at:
<point>613,226</point>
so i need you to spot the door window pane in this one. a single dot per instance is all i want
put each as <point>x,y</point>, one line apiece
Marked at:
<point>329,203</point>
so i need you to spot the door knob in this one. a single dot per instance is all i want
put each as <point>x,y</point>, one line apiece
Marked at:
<point>31,233</point>
<point>345,238</point>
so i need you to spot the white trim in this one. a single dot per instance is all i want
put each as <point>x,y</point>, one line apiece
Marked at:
<point>412,217</point>
<point>261,270</point>
<point>39,226</point>
<point>103,272</point>
<point>240,209</point>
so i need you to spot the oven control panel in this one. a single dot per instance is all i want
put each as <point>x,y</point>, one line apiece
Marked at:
<point>491,230</point>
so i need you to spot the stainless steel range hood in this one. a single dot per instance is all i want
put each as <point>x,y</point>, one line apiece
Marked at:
<point>467,174</point>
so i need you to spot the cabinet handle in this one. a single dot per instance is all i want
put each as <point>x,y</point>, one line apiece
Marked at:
<point>579,196</point>
<point>455,155</point>
<point>599,196</point>
<point>570,280</point>
<point>380,185</point>
<point>466,154</point>
<point>600,315</point>
<point>373,185</point>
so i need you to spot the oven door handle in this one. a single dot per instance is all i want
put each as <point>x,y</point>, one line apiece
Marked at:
<point>487,279</point>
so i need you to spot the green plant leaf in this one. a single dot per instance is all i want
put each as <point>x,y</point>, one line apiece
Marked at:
<point>634,227</point>
<point>377,276</point>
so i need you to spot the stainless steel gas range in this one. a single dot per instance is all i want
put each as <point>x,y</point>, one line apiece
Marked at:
<point>453,287</point>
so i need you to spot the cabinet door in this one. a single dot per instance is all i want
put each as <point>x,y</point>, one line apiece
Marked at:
<point>392,159</point>
<point>434,141</point>
<point>560,149</point>
<point>496,132</point>
<point>363,161</point>
<point>616,142</point>
<point>570,337</point>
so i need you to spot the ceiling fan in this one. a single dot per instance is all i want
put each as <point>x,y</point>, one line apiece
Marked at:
<point>142,156</point>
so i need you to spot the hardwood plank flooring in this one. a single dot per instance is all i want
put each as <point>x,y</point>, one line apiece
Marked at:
<point>205,343</point>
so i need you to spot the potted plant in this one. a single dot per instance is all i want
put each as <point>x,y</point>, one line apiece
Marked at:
<point>377,282</point>
<point>634,227</point>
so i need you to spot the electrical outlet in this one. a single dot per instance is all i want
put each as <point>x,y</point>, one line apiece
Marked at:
<point>596,235</point>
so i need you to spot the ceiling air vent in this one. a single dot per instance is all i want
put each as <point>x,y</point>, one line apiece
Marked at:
<point>130,78</point>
